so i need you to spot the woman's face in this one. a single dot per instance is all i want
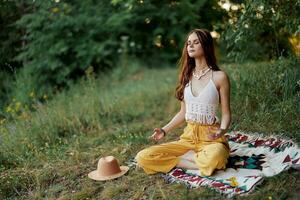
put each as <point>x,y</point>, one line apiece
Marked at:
<point>194,47</point>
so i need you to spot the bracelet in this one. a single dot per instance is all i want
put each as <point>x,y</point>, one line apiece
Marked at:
<point>163,131</point>
<point>223,130</point>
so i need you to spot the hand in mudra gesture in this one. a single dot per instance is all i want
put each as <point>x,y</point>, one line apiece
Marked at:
<point>157,135</point>
<point>215,133</point>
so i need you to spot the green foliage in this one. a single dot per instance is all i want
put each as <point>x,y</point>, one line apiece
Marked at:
<point>6,87</point>
<point>159,28</point>
<point>57,41</point>
<point>10,42</point>
<point>260,29</point>
<point>10,12</point>
<point>64,38</point>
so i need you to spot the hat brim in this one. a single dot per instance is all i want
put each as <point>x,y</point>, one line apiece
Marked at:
<point>95,175</point>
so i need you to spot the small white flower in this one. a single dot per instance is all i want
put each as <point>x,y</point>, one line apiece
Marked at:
<point>132,44</point>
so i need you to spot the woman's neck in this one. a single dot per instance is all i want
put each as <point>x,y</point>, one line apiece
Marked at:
<point>200,64</point>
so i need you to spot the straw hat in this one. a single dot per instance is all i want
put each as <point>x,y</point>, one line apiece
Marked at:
<point>108,168</point>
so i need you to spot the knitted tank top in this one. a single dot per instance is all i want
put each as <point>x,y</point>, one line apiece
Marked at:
<point>202,108</point>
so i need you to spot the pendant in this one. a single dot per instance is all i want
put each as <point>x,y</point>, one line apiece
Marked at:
<point>199,76</point>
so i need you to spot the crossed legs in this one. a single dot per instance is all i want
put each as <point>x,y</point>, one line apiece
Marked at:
<point>163,157</point>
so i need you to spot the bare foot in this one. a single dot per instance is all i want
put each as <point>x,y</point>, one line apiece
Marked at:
<point>187,164</point>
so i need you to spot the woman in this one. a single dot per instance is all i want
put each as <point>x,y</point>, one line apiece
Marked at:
<point>201,89</point>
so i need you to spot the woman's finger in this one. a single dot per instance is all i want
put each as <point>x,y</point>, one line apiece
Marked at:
<point>213,128</point>
<point>213,136</point>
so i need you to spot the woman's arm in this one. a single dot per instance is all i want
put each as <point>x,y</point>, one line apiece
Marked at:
<point>177,120</point>
<point>225,101</point>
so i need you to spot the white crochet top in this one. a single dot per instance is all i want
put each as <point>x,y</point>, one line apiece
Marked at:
<point>202,108</point>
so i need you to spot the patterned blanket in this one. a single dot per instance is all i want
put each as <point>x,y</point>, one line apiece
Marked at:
<point>252,157</point>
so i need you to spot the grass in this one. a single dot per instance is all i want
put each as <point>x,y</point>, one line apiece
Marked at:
<point>49,153</point>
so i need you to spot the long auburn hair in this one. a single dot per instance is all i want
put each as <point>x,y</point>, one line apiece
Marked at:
<point>187,63</point>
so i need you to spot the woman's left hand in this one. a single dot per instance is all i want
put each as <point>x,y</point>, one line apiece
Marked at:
<point>215,133</point>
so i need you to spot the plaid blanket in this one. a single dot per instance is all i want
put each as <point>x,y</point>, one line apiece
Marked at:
<point>252,157</point>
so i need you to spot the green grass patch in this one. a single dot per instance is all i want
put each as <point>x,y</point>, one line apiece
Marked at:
<point>49,153</point>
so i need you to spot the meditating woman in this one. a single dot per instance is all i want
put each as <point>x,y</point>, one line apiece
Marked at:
<point>202,87</point>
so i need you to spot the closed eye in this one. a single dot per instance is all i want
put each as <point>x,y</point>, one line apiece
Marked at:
<point>195,42</point>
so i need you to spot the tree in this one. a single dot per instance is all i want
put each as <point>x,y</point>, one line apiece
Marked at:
<point>260,29</point>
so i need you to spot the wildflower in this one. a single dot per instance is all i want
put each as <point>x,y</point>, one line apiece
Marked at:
<point>8,109</point>
<point>55,10</point>
<point>31,94</point>
<point>17,105</point>
<point>89,71</point>
<point>281,75</point>
<point>147,20</point>
<point>172,42</point>
<point>45,96</point>
<point>2,121</point>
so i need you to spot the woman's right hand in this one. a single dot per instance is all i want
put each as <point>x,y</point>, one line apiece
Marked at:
<point>157,135</point>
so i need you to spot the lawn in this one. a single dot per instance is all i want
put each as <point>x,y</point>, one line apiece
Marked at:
<point>48,153</point>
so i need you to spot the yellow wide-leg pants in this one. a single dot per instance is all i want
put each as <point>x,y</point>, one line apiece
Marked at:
<point>209,154</point>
